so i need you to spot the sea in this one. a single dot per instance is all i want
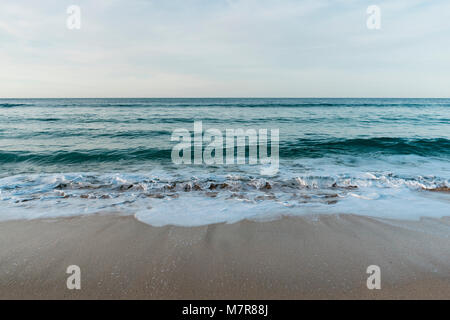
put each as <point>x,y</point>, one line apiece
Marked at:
<point>383,158</point>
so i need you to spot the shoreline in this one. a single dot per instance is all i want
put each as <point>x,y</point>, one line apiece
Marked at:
<point>317,257</point>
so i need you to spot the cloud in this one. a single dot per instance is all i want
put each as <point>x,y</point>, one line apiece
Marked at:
<point>222,48</point>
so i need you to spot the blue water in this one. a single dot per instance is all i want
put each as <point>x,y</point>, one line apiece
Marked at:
<point>378,157</point>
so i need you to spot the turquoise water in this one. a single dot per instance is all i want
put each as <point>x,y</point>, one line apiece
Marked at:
<point>364,156</point>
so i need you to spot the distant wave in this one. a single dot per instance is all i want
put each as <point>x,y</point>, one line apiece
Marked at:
<point>261,105</point>
<point>11,105</point>
<point>301,148</point>
<point>72,157</point>
<point>382,145</point>
<point>150,103</point>
<point>50,134</point>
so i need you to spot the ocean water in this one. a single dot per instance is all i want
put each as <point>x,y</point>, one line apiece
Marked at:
<point>385,158</point>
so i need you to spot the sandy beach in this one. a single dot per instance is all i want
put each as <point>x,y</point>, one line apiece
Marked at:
<point>292,258</point>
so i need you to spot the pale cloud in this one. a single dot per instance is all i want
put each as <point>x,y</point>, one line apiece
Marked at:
<point>174,48</point>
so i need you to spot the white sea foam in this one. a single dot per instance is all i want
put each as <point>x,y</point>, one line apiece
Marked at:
<point>392,188</point>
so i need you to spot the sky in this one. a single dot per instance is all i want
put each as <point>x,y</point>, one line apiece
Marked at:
<point>224,48</point>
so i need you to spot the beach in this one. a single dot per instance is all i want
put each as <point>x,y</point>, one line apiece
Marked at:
<point>311,257</point>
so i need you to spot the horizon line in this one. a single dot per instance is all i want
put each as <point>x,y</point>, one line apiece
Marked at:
<point>218,97</point>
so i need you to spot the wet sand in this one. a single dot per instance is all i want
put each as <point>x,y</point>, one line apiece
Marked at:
<point>292,258</point>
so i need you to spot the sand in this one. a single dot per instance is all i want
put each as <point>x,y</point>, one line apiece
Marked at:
<point>292,258</point>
